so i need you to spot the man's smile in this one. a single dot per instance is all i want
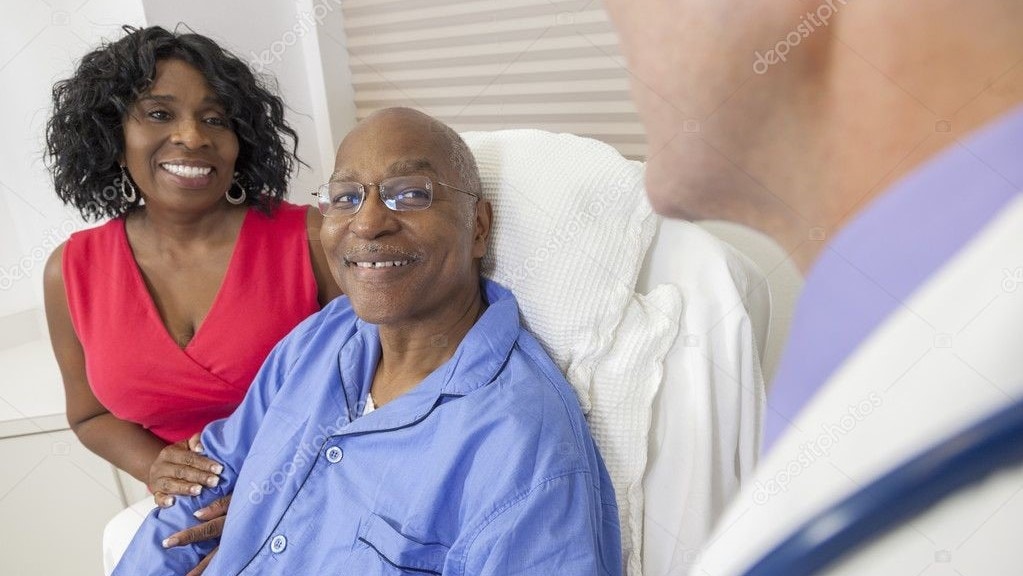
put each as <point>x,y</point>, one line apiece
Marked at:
<point>377,256</point>
<point>379,264</point>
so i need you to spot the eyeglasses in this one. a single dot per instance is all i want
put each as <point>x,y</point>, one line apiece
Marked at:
<point>400,193</point>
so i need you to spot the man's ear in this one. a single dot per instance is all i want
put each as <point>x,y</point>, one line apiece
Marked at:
<point>484,218</point>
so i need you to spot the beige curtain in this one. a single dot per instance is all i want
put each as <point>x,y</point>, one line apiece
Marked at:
<point>493,64</point>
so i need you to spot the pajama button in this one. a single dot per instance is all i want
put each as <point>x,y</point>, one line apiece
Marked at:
<point>278,544</point>
<point>334,454</point>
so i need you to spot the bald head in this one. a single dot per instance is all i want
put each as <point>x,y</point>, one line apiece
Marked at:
<point>447,142</point>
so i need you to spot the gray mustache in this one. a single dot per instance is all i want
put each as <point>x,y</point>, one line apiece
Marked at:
<point>378,248</point>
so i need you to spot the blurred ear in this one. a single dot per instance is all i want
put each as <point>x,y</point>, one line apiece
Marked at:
<point>484,217</point>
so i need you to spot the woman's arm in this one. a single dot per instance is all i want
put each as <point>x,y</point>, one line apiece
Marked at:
<point>126,445</point>
<point>327,288</point>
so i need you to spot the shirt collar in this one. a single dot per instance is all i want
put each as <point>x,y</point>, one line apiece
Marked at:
<point>875,263</point>
<point>475,363</point>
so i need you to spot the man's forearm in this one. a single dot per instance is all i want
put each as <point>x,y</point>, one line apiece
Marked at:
<point>147,555</point>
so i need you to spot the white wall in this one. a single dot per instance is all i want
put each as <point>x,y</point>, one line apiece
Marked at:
<point>40,42</point>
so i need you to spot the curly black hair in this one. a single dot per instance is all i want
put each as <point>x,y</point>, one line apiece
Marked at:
<point>85,134</point>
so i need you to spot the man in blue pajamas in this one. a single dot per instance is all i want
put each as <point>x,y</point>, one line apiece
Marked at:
<point>413,425</point>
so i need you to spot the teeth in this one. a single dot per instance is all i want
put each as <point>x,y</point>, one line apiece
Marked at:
<point>388,264</point>
<point>187,171</point>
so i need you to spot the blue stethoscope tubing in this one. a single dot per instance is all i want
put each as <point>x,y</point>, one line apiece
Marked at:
<point>989,446</point>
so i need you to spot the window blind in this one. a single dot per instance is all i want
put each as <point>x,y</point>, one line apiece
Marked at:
<point>489,64</point>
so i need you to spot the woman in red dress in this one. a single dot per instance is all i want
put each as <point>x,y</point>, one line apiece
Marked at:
<point>161,317</point>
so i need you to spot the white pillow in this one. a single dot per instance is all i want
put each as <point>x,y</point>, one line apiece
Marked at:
<point>571,227</point>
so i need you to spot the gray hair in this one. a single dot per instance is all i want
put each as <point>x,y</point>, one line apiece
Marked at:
<point>461,157</point>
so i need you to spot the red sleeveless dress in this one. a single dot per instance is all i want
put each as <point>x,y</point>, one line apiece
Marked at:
<point>133,365</point>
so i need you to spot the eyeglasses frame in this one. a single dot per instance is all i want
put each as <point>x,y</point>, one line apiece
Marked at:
<point>367,185</point>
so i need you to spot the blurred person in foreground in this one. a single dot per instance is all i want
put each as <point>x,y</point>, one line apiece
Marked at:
<point>881,144</point>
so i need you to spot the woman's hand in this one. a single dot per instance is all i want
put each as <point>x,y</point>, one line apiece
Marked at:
<point>181,469</point>
<point>213,517</point>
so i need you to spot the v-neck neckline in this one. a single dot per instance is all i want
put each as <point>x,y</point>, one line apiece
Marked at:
<point>154,312</point>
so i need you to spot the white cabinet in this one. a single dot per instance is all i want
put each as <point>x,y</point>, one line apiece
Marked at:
<point>55,498</point>
<point>55,495</point>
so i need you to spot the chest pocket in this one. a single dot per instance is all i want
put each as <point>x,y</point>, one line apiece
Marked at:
<point>398,553</point>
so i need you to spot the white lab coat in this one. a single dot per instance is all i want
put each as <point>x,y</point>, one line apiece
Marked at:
<point>951,355</point>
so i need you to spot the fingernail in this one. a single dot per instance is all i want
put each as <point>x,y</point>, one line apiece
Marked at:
<point>172,541</point>
<point>195,490</point>
<point>217,468</point>
<point>212,481</point>
<point>198,448</point>
<point>168,501</point>
<point>200,513</point>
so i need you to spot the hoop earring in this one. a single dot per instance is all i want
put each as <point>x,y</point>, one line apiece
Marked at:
<point>128,192</point>
<point>240,198</point>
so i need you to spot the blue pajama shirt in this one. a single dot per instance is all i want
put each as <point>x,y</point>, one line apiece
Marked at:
<point>486,467</point>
